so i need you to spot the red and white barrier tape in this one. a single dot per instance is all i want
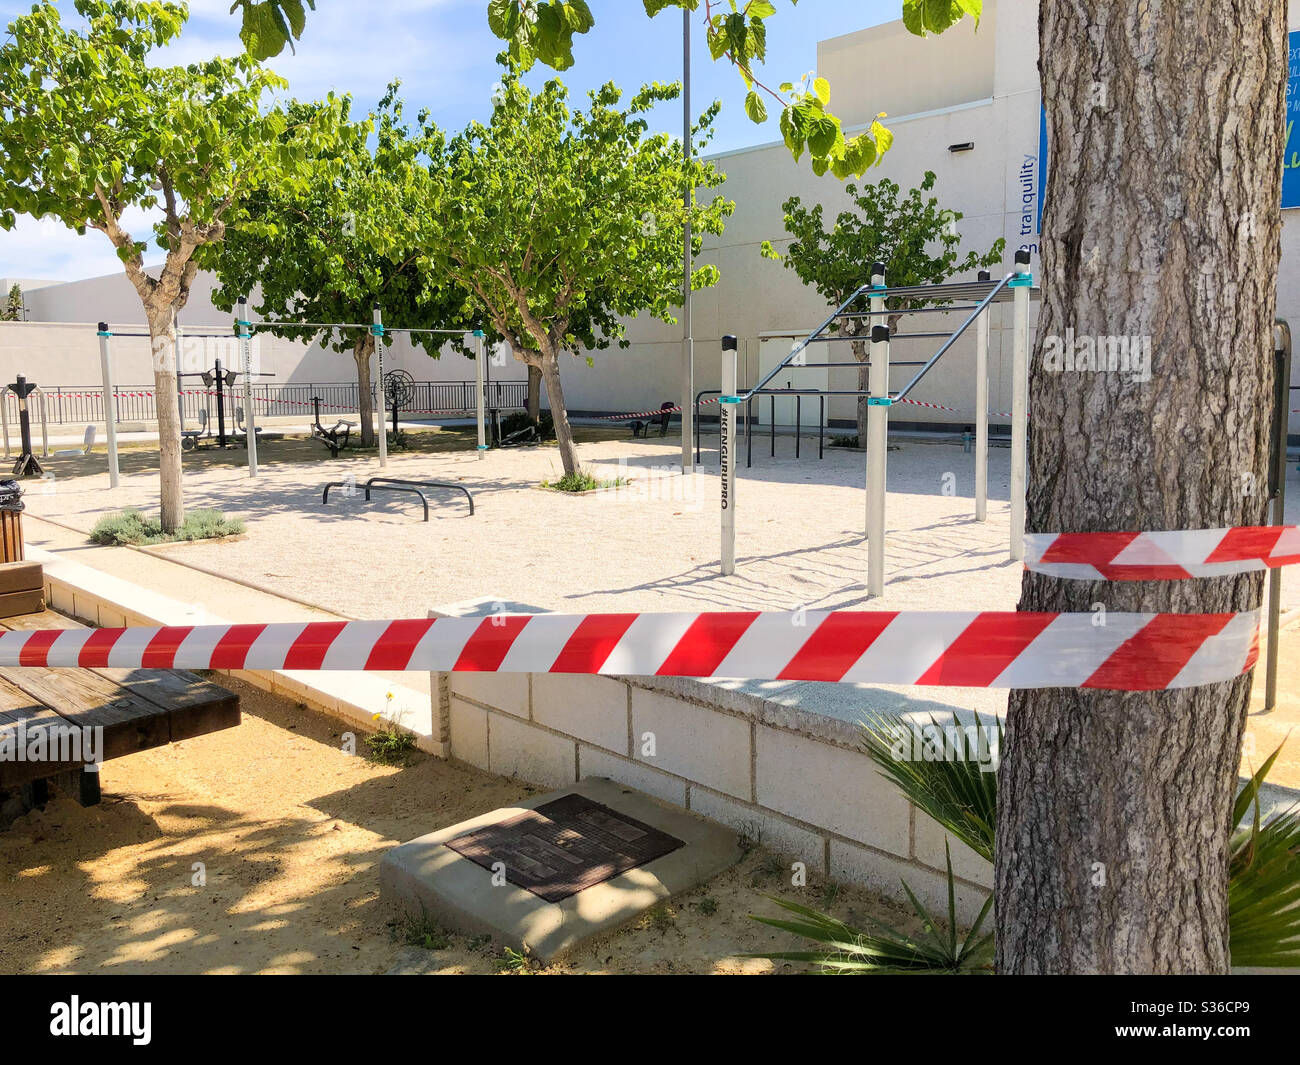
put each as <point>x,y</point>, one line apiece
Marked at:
<point>1161,556</point>
<point>1129,652</point>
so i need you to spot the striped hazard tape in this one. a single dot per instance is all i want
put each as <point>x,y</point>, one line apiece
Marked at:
<point>1160,556</point>
<point>1119,651</point>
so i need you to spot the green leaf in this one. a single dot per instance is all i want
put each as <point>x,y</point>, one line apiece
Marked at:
<point>755,108</point>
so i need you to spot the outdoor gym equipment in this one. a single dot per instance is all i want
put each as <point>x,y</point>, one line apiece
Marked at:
<point>336,438</point>
<point>26,466</point>
<point>397,484</point>
<point>34,391</point>
<point>192,439</point>
<point>1014,287</point>
<point>378,330</point>
<point>399,391</point>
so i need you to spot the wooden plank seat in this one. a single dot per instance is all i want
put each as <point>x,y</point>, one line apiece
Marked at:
<point>137,709</point>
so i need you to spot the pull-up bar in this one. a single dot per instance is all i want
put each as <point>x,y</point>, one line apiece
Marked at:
<point>1015,286</point>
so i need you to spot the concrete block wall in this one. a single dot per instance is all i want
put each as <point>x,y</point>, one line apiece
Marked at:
<point>803,790</point>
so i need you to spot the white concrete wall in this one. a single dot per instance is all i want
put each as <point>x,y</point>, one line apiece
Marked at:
<point>805,791</point>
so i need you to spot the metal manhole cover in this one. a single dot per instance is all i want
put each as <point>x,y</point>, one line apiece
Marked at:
<point>564,846</point>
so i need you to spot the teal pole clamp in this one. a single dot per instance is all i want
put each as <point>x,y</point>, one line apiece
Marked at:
<point>242,326</point>
<point>1021,281</point>
<point>377,330</point>
<point>479,333</point>
<point>102,334</point>
<point>879,401</point>
<point>730,399</point>
<point>877,290</point>
<point>483,447</point>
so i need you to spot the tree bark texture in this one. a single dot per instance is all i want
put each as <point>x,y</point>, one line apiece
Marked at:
<point>1162,225</point>
<point>550,370</point>
<point>534,392</point>
<point>362,349</point>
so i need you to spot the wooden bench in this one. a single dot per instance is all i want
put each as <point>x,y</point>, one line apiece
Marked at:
<point>137,709</point>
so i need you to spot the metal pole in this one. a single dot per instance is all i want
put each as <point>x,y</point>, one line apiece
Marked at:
<point>688,195</point>
<point>726,442</point>
<point>771,424</point>
<point>1019,404</point>
<point>798,419</point>
<point>1282,397</point>
<point>478,390</point>
<point>246,356</point>
<point>749,432</point>
<point>110,402</point>
<point>4,415</point>
<point>982,411</point>
<point>875,304</point>
<point>877,448</point>
<point>45,425</point>
<point>180,394</point>
<point>377,331</point>
<point>821,427</point>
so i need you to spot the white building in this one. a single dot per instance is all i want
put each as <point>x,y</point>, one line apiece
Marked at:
<point>964,105</point>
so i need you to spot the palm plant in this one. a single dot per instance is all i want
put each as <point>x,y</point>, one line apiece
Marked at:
<point>960,794</point>
<point>848,951</point>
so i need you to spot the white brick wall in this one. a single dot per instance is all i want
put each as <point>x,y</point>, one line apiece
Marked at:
<point>801,795</point>
<point>469,733</point>
<point>885,874</point>
<point>592,708</point>
<point>830,787</point>
<point>518,749</point>
<point>776,833</point>
<point>693,742</point>
<point>597,763</point>
<point>503,691</point>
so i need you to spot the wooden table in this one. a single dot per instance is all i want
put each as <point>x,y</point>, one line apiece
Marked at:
<point>136,708</point>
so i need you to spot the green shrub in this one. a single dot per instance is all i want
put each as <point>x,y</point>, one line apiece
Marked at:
<point>131,527</point>
<point>583,481</point>
<point>844,441</point>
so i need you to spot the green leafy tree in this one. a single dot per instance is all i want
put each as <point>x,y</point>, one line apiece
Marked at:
<point>12,310</point>
<point>560,224</point>
<point>269,26</point>
<point>329,249</point>
<point>90,128</point>
<point>543,30</point>
<point>917,239</point>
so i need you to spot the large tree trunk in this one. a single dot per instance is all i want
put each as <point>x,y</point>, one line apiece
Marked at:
<point>550,370</point>
<point>362,349</point>
<point>1162,221</point>
<point>162,340</point>
<point>534,392</point>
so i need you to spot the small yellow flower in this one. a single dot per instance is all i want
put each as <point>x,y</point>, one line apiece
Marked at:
<point>375,717</point>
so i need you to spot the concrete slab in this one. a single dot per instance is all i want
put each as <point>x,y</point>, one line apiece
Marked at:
<point>425,876</point>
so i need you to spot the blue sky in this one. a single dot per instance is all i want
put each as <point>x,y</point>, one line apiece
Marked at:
<point>444,55</point>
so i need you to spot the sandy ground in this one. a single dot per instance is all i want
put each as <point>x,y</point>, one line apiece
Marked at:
<point>290,832</point>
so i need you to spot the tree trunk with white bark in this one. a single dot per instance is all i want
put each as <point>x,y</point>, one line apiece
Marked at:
<point>1162,225</point>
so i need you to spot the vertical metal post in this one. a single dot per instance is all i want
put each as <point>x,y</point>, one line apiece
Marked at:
<point>4,415</point>
<point>1282,404</point>
<point>377,331</point>
<point>45,423</point>
<point>688,196</point>
<point>180,394</point>
<point>246,357</point>
<point>749,432</point>
<point>798,418</point>
<point>478,390</point>
<point>877,449</point>
<point>1019,403</point>
<point>771,424</point>
<point>726,458</point>
<point>876,306</point>
<point>821,427</point>
<point>982,411</point>
<point>110,402</point>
